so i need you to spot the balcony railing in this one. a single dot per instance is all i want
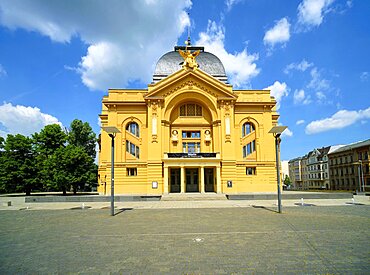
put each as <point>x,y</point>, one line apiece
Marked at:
<point>191,155</point>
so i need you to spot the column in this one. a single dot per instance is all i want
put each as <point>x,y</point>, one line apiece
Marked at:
<point>165,180</point>
<point>182,176</point>
<point>202,189</point>
<point>218,179</point>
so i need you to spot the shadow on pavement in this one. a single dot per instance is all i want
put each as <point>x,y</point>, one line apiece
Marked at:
<point>81,208</point>
<point>265,208</point>
<point>121,210</point>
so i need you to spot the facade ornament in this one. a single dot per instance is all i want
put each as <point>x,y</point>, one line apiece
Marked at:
<point>207,135</point>
<point>189,59</point>
<point>174,136</point>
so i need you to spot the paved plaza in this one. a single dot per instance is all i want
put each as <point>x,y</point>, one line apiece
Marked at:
<point>229,240</point>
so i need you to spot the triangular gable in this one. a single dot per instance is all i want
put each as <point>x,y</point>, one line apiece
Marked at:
<point>190,77</point>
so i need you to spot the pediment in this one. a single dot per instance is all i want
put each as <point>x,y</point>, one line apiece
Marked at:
<point>192,80</point>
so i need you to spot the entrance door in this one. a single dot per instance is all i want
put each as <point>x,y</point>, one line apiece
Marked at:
<point>175,181</point>
<point>209,180</point>
<point>192,180</point>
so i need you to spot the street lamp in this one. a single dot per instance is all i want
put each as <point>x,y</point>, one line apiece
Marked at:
<point>277,131</point>
<point>111,131</point>
<point>361,176</point>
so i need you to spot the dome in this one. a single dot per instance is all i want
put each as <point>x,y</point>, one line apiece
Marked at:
<point>172,61</point>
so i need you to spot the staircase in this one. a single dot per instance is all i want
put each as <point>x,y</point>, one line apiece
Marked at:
<point>193,197</point>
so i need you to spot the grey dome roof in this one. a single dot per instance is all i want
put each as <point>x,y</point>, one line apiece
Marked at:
<point>171,62</point>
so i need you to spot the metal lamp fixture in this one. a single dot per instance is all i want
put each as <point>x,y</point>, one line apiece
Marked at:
<point>277,131</point>
<point>111,131</point>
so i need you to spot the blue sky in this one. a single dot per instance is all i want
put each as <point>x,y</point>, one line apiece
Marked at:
<point>58,59</point>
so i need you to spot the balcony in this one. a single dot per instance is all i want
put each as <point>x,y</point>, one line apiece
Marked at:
<point>191,155</point>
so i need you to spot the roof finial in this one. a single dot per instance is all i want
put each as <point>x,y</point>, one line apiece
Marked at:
<point>188,42</point>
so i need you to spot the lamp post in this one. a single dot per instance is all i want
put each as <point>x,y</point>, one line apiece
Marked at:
<point>277,131</point>
<point>361,176</point>
<point>111,131</point>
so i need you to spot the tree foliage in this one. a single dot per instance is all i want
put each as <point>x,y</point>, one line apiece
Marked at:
<point>287,181</point>
<point>18,165</point>
<point>81,134</point>
<point>50,138</point>
<point>50,160</point>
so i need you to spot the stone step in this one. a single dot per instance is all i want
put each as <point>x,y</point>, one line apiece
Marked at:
<point>193,197</point>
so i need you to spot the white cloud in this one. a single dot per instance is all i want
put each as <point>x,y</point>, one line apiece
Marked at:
<point>2,71</point>
<point>339,120</point>
<point>23,120</point>
<point>302,66</point>
<point>299,122</point>
<point>231,3</point>
<point>280,33</point>
<point>317,82</point>
<point>240,66</point>
<point>278,90</point>
<point>321,97</point>
<point>301,98</point>
<point>311,12</point>
<point>287,133</point>
<point>124,38</point>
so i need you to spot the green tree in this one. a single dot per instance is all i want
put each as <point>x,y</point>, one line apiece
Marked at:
<point>71,167</point>
<point>287,181</point>
<point>2,166</point>
<point>2,140</point>
<point>81,134</point>
<point>50,139</point>
<point>18,165</point>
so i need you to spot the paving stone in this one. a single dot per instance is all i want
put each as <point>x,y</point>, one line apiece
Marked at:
<point>302,240</point>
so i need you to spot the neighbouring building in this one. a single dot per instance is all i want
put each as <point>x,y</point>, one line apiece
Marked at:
<point>349,167</point>
<point>317,168</point>
<point>189,131</point>
<point>311,172</point>
<point>295,173</point>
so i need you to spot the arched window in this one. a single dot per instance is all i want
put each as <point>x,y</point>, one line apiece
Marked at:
<point>247,129</point>
<point>190,109</point>
<point>133,128</point>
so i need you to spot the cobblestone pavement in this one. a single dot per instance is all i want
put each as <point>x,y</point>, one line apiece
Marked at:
<point>234,240</point>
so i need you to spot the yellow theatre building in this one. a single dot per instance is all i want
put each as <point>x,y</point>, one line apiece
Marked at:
<point>188,132</point>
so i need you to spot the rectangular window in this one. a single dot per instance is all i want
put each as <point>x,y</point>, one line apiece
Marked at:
<point>183,110</point>
<point>137,152</point>
<point>131,172</point>
<point>191,109</point>
<point>190,134</point>
<point>250,170</point>
<point>195,134</point>
<point>191,147</point>
<point>132,149</point>
<point>249,150</point>
<point>198,110</point>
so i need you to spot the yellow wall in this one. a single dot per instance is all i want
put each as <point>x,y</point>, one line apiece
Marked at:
<point>156,111</point>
